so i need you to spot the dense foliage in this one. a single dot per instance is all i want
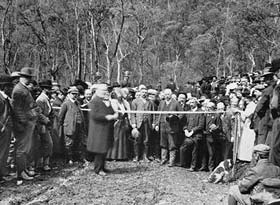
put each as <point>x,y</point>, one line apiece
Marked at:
<point>155,40</point>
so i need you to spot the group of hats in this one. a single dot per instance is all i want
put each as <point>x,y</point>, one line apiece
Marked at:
<point>24,72</point>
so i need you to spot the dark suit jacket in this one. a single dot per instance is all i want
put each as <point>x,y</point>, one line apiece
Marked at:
<point>46,110</point>
<point>213,118</point>
<point>174,120</point>
<point>140,105</point>
<point>68,116</point>
<point>263,169</point>
<point>195,122</point>
<point>23,106</point>
<point>262,118</point>
<point>101,131</point>
<point>5,113</point>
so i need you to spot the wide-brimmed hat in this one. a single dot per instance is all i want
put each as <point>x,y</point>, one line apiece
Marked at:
<point>81,83</point>
<point>27,72</point>
<point>5,79</point>
<point>15,74</point>
<point>46,84</point>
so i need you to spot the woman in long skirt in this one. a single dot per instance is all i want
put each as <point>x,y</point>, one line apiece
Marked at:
<point>119,151</point>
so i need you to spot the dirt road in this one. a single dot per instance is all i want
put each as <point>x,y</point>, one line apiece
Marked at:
<point>129,183</point>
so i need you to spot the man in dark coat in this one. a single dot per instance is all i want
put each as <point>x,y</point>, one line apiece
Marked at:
<point>262,119</point>
<point>143,122</point>
<point>193,128</point>
<point>56,132</point>
<point>72,120</point>
<point>249,184</point>
<point>213,127</point>
<point>275,113</point>
<point>169,126</point>
<point>5,122</point>
<point>101,128</point>
<point>25,116</point>
<point>45,140</point>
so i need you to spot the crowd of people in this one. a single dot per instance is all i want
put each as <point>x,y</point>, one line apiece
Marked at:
<point>196,125</point>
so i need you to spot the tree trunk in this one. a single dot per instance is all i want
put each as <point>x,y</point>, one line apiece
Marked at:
<point>79,73</point>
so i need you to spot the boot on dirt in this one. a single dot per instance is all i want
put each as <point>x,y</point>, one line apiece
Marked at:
<point>146,154</point>
<point>164,154</point>
<point>172,156</point>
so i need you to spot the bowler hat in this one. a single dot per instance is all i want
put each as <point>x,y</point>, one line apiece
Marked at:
<point>275,65</point>
<point>46,84</point>
<point>27,72</point>
<point>81,83</point>
<point>5,79</point>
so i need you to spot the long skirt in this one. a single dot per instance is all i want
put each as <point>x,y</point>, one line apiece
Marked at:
<point>246,144</point>
<point>119,150</point>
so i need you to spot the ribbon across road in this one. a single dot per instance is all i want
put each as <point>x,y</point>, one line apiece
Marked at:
<point>158,112</point>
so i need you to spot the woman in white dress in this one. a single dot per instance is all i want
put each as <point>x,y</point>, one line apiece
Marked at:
<point>248,135</point>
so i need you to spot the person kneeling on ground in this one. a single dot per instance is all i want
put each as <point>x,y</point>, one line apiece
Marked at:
<point>248,185</point>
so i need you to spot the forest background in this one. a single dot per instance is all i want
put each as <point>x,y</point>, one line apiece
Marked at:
<point>152,39</point>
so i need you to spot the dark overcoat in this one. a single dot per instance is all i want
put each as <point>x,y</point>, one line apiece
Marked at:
<point>68,116</point>
<point>262,120</point>
<point>101,131</point>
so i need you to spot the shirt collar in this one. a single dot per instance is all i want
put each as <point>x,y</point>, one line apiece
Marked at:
<point>24,85</point>
<point>4,94</point>
<point>73,101</point>
<point>42,93</point>
<point>195,109</point>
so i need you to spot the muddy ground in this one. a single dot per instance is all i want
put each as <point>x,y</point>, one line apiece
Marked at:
<point>128,183</point>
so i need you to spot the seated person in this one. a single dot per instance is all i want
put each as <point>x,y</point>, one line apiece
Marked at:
<point>263,169</point>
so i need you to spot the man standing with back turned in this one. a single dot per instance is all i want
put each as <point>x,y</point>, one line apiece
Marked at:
<point>25,116</point>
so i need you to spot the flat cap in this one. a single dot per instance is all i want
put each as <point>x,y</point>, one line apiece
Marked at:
<point>73,89</point>
<point>152,92</point>
<point>261,148</point>
<point>141,87</point>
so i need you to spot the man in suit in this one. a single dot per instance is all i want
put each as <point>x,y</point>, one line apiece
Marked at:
<point>193,129</point>
<point>45,140</point>
<point>101,128</point>
<point>6,86</point>
<point>169,126</point>
<point>72,120</point>
<point>25,116</point>
<point>213,127</point>
<point>143,122</point>
<point>249,184</point>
